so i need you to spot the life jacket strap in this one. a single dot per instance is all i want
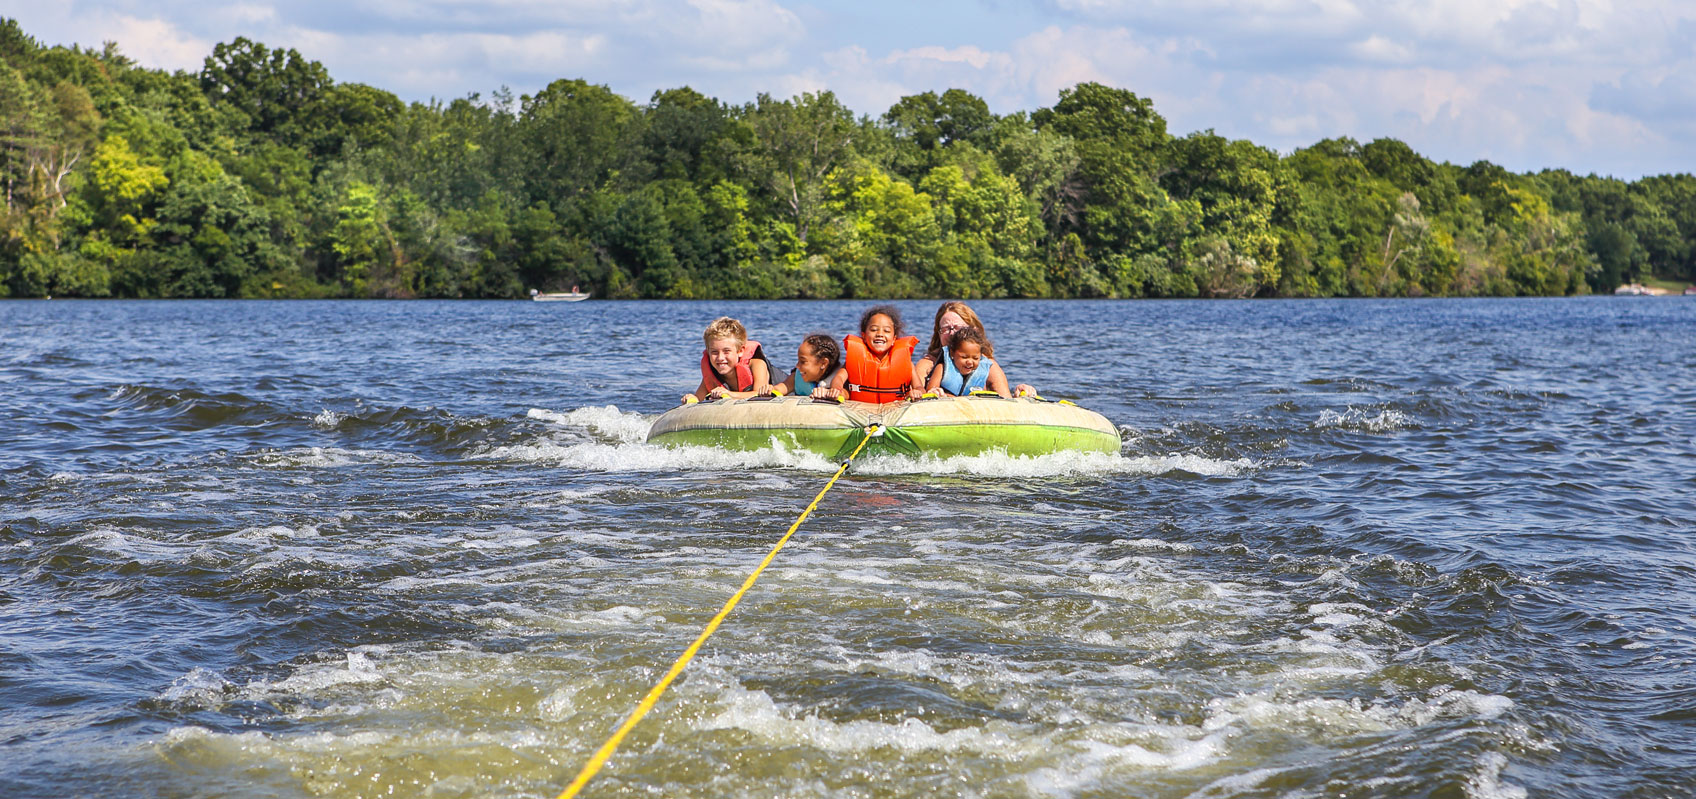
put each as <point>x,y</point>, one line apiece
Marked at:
<point>875,390</point>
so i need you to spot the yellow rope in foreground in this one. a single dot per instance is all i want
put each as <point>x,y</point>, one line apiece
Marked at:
<point>647,703</point>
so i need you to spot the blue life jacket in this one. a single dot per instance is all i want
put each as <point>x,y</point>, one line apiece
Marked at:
<point>803,386</point>
<point>960,385</point>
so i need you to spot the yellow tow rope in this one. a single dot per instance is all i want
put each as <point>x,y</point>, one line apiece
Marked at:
<point>647,703</point>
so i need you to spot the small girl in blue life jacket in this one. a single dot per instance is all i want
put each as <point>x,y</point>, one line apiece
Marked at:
<point>950,317</point>
<point>966,369</point>
<point>816,362</point>
<point>731,365</point>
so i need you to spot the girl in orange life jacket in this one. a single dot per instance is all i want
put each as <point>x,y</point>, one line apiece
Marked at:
<point>878,363</point>
<point>731,365</point>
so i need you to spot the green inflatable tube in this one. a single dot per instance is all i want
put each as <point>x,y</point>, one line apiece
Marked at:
<point>941,427</point>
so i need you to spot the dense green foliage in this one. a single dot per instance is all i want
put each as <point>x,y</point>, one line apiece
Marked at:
<point>260,176</point>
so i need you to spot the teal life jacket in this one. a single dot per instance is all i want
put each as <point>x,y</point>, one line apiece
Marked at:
<point>960,385</point>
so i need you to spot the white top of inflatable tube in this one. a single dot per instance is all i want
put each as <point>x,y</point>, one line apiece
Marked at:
<point>803,413</point>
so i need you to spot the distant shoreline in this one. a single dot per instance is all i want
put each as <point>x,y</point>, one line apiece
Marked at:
<point>261,176</point>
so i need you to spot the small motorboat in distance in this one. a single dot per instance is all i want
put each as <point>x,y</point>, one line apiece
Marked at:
<point>559,296</point>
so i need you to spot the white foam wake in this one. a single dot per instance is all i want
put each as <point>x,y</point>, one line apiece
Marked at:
<point>604,420</point>
<point>329,457</point>
<point>627,452</point>
<point>636,457</point>
<point>1059,464</point>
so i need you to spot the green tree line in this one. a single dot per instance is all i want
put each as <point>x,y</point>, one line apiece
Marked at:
<point>260,176</point>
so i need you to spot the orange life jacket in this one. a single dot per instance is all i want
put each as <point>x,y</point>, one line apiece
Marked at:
<point>744,368</point>
<point>874,379</point>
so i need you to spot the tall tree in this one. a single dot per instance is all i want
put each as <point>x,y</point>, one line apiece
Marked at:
<point>927,122</point>
<point>684,134</point>
<point>1121,144</point>
<point>1236,185</point>
<point>278,94</point>
<point>800,142</point>
<point>578,136</point>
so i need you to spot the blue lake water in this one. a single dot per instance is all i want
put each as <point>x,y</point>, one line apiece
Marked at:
<point>1348,548</point>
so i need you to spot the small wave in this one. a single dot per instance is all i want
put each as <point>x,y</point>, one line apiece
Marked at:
<point>559,705</point>
<point>1059,464</point>
<point>192,409</point>
<point>756,713</point>
<point>430,427</point>
<point>357,669</point>
<point>199,688</point>
<point>278,531</point>
<point>1348,384</point>
<point>133,545</point>
<point>615,617</point>
<point>606,420</point>
<point>1086,765</point>
<point>1313,715</point>
<point>1487,782</point>
<point>1154,545</point>
<point>330,457</point>
<point>1352,418</point>
<point>654,458</point>
<point>1450,704</point>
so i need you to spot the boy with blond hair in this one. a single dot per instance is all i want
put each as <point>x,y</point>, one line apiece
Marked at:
<point>731,365</point>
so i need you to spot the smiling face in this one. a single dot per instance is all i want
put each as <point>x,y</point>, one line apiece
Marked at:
<point>967,355</point>
<point>879,334</point>
<point>809,364</point>
<point>722,354</point>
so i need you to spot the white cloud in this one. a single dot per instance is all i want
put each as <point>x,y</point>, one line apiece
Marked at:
<point>1053,59</point>
<point>1382,50</point>
<point>737,25</point>
<point>154,42</point>
<point>1431,78</point>
<point>1280,34</point>
<point>150,41</point>
<point>247,14</point>
<point>550,53</point>
<point>974,57</point>
<point>850,73</point>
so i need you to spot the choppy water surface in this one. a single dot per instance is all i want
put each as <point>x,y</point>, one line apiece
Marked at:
<point>1349,549</point>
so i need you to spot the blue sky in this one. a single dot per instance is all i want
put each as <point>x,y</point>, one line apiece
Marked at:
<point>1604,86</point>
